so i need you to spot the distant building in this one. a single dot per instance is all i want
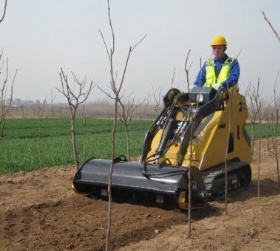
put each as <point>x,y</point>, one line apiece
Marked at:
<point>19,102</point>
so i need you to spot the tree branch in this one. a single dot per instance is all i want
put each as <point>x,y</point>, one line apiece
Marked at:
<point>274,31</point>
<point>4,12</point>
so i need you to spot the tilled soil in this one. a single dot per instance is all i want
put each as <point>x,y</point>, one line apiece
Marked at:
<point>39,211</point>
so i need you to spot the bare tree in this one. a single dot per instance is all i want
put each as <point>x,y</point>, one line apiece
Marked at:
<point>275,137</point>
<point>116,88</point>
<point>126,115</point>
<point>251,94</point>
<point>187,69</point>
<point>157,99</point>
<point>259,104</point>
<point>6,92</point>
<point>4,96</point>
<point>74,100</point>
<point>146,102</point>
<point>231,124</point>
<point>269,118</point>
<point>256,103</point>
<point>276,108</point>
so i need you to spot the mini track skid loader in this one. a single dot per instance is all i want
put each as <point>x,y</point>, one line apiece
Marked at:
<point>198,141</point>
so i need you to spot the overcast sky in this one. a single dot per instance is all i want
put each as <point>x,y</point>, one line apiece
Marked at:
<point>40,37</point>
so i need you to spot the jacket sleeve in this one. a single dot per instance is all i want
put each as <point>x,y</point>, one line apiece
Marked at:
<point>234,75</point>
<point>201,76</point>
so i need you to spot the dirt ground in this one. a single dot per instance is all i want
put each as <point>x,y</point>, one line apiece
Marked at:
<point>39,211</point>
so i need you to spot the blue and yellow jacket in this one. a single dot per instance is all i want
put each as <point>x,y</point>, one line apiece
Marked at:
<point>224,71</point>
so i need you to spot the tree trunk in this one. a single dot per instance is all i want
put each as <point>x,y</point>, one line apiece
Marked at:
<point>74,141</point>
<point>111,175</point>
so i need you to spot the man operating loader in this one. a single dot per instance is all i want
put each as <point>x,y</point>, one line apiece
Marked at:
<point>221,70</point>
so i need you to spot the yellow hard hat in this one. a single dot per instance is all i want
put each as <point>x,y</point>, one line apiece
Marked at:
<point>218,40</point>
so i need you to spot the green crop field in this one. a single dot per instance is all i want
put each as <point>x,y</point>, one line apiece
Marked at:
<point>30,144</point>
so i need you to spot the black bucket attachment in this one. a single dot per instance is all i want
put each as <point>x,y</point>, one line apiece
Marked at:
<point>134,182</point>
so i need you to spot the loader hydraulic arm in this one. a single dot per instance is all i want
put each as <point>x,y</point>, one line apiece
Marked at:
<point>197,116</point>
